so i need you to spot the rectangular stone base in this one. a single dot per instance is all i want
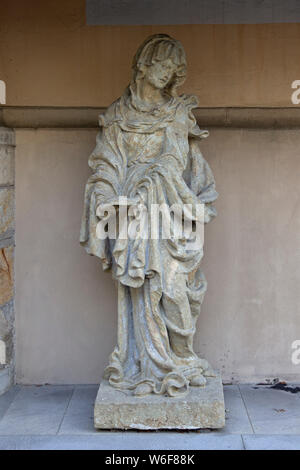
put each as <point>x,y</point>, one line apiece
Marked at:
<point>201,408</point>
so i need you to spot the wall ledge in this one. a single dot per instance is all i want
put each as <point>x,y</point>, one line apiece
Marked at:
<point>87,117</point>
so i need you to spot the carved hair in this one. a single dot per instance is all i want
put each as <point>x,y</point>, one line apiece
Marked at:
<point>155,49</point>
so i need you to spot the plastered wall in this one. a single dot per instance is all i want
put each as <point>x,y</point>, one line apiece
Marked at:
<point>66,305</point>
<point>50,57</point>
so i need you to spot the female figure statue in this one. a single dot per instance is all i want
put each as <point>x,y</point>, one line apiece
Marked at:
<point>147,151</point>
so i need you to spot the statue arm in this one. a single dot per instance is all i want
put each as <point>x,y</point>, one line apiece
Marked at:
<point>202,181</point>
<point>108,167</point>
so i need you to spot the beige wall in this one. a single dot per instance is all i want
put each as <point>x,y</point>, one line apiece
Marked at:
<point>66,305</point>
<point>48,56</point>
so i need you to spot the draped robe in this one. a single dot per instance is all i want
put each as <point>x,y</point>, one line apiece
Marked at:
<point>152,157</point>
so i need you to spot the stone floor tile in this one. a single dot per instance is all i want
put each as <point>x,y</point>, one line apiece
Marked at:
<point>79,417</point>
<point>6,400</point>
<point>36,410</point>
<point>130,440</point>
<point>237,420</point>
<point>272,411</point>
<point>271,442</point>
<point>15,442</point>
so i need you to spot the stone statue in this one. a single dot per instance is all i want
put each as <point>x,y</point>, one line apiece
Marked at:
<point>148,152</point>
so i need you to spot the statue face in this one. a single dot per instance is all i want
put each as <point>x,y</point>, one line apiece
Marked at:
<point>160,73</point>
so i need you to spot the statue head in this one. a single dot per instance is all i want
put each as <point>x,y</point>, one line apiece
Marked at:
<point>161,59</point>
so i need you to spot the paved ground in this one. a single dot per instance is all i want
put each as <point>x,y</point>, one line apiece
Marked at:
<point>61,417</point>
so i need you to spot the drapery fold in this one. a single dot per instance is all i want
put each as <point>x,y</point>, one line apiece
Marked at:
<point>153,159</point>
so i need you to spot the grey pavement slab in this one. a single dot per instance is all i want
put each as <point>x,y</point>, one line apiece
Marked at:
<point>36,410</point>
<point>15,442</point>
<point>61,417</point>
<point>6,400</point>
<point>271,442</point>
<point>272,411</point>
<point>129,441</point>
<point>5,377</point>
<point>237,420</point>
<point>79,416</point>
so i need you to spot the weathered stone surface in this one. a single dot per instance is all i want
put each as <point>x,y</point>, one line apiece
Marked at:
<point>6,165</point>
<point>202,407</point>
<point>6,379</point>
<point>7,136</point>
<point>7,225</point>
<point>160,282</point>
<point>6,335</point>
<point>7,312</point>
<point>7,238</point>
<point>4,326</point>
<point>7,205</point>
<point>6,274</point>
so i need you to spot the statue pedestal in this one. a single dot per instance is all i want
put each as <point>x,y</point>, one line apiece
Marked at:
<point>201,408</point>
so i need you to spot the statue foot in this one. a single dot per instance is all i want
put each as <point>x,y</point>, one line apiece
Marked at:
<point>198,381</point>
<point>142,390</point>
